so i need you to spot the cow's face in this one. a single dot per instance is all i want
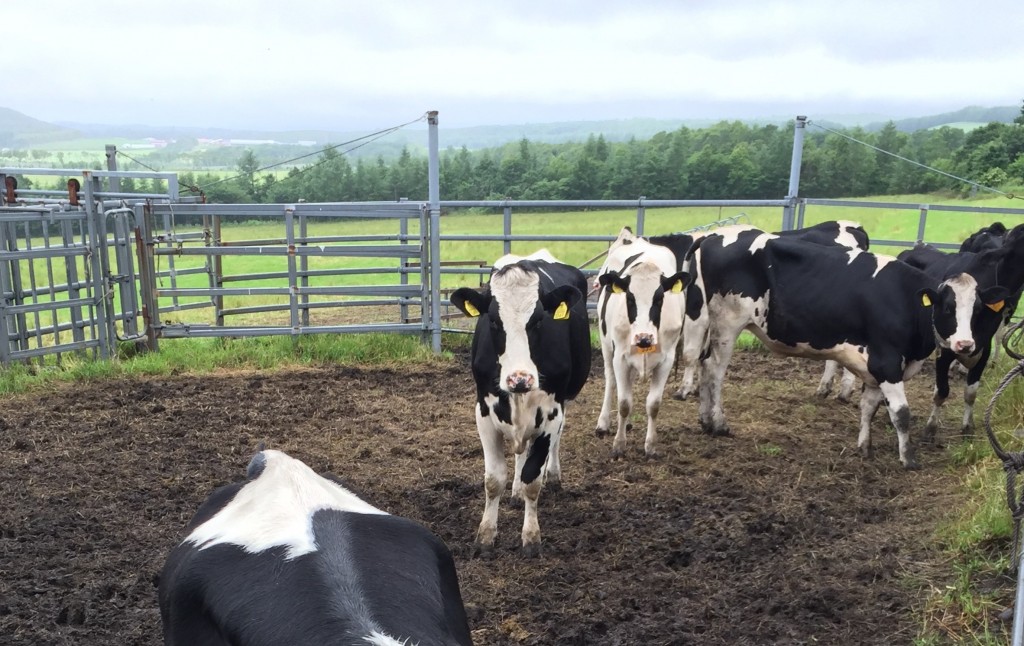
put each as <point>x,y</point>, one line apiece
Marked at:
<point>957,304</point>
<point>644,290</point>
<point>525,329</point>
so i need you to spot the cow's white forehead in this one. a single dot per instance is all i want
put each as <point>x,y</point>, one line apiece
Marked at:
<point>962,284</point>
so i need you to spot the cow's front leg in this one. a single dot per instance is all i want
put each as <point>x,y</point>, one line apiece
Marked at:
<point>659,378</point>
<point>846,384</point>
<point>624,386</point>
<point>971,392</point>
<point>604,420</point>
<point>899,413</point>
<point>553,470</point>
<point>517,480</point>
<point>940,395</point>
<point>495,477</point>
<point>532,480</point>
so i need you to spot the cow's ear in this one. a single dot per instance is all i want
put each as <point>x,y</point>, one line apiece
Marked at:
<point>611,279</point>
<point>927,296</point>
<point>560,301</point>
<point>675,283</point>
<point>994,297</point>
<point>471,302</point>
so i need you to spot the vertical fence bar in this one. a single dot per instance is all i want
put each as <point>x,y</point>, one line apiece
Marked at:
<point>97,262</point>
<point>403,267</point>
<point>51,285</point>
<point>922,221</point>
<point>115,182</point>
<point>71,273</point>
<point>34,291</point>
<point>293,279</point>
<point>641,214</point>
<point>434,193</point>
<point>801,210</point>
<point>18,289</point>
<point>799,128</point>
<point>304,268</point>
<point>6,287</point>
<point>218,271</point>
<point>147,273</point>
<point>506,221</point>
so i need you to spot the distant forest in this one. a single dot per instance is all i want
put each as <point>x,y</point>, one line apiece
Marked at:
<point>729,160</point>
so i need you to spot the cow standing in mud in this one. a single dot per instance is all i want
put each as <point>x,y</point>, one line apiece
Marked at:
<point>530,355</point>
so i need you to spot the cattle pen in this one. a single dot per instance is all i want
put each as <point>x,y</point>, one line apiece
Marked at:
<point>780,534</point>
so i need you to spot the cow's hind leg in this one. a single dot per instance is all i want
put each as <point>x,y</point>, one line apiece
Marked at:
<point>827,377</point>
<point>713,369</point>
<point>870,400</point>
<point>553,470</point>
<point>495,477</point>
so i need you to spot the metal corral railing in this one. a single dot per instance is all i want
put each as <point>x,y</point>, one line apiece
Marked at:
<point>923,210</point>
<point>308,268</point>
<point>67,271</point>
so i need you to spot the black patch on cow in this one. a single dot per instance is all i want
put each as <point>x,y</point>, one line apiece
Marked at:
<point>553,414</point>
<point>536,457</point>
<point>485,410</point>
<point>631,307</point>
<point>539,418</point>
<point>503,409</point>
<point>256,466</point>
<point>629,262</point>
<point>657,300</point>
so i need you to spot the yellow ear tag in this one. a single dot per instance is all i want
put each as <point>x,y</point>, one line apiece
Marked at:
<point>471,309</point>
<point>927,302</point>
<point>677,287</point>
<point>616,289</point>
<point>996,307</point>
<point>561,312</point>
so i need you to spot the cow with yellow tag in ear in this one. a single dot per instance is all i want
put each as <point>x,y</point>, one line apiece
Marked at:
<point>990,280</point>
<point>530,356</point>
<point>640,317</point>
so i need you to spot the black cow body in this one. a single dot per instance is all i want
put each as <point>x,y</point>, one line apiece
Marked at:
<point>870,313</point>
<point>531,354</point>
<point>844,233</point>
<point>993,268</point>
<point>291,557</point>
<point>985,238</point>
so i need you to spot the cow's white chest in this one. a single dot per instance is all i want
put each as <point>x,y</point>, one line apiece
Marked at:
<point>526,408</point>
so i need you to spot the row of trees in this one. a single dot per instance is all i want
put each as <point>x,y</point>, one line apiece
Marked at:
<point>730,160</point>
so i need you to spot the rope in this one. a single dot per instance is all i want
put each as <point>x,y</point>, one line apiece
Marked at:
<point>1013,463</point>
<point>915,163</point>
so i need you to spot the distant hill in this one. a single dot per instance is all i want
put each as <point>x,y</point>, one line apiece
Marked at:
<point>21,131</point>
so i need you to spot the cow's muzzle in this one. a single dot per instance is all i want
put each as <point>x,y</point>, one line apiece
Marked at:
<point>963,346</point>
<point>520,382</point>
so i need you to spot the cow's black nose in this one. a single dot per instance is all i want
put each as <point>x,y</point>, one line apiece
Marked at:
<point>643,342</point>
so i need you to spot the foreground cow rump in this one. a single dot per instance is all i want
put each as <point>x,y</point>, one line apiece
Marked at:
<point>530,355</point>
<point>640,319</point>
<point>291,557</point>
<point>871,313</point>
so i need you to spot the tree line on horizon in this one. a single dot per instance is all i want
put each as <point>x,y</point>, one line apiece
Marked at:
<point>730,160</point>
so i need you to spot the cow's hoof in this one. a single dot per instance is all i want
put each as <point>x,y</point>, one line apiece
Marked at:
<point>618,454</point>
<point>823,392</point>
<point>866,451</point>
<point>629,427</point>
<point>601,432</point>
<point>515,501</point>
<point>482,551</point>
<point>967,431</point>
<point>843,399</point>
<point>653,455</point>
<point>680,396</point>
<point>928,435</point>
<point>531,550</point>
<point>553,485</point>
<point>911,465</point>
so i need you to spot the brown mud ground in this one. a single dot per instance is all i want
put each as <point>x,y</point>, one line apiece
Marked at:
<point>780,534</point>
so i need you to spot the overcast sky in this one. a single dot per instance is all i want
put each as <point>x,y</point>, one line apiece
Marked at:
<point>372,64</point>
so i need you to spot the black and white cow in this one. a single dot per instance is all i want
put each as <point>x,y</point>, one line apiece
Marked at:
<point>845,233</point>
<point>985,238</point>
<point>292,557</point>
<point>531,354</point>
<point>997,275</point>
<point>640,319</point>
<point>876,316</point>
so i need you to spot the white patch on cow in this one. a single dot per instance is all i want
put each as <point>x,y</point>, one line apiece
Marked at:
<point>852,253</point>
<point>380,639</point>
<point>511,258</point>
<point>524,407</point>
<point>277,509</point>
<point>760,241</point>
<point>846,237</point>
<point>882,261</point>
<point>965,289</point>
<point>731,233</point>
<point>517,292</point>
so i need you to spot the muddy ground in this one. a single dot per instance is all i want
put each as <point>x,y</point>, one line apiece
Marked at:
<point>780,534</point>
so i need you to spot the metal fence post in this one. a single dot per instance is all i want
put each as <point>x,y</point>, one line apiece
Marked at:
<point>97,261</point>
<point>147,274</point>
<point>799,128</point>
<point>434,193</point>
<point>115,182</point>
<point>641,213</point>
<point>922,220</point>
<point>507,229</point>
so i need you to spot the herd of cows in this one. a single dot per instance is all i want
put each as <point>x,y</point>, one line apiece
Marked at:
<point>292,557</point>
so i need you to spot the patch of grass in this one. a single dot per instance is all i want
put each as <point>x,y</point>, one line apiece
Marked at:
<point>769,449</point>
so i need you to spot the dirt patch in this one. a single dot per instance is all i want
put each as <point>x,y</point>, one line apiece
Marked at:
<point>780,534</point>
